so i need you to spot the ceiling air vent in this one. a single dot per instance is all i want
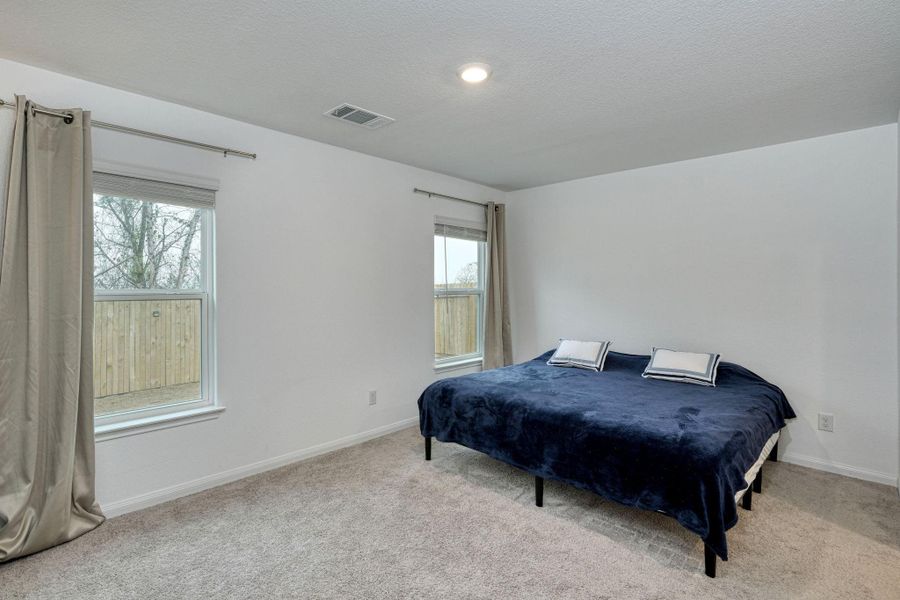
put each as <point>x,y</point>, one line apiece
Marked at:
<point>359,116</point>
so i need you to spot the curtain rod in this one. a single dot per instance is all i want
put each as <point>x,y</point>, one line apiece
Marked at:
<point>436,195</point>
<point>141,133</point>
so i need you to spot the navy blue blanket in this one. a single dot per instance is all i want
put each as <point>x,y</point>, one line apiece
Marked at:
<point>674,447</point>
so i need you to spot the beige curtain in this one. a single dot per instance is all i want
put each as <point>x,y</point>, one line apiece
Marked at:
<point>46,316</point>
<point>497,339</point>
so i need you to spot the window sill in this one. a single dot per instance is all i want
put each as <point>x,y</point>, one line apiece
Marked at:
<point>112,431</point>
<point>458,364</point>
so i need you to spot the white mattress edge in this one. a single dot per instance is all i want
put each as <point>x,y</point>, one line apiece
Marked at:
<point>751,474</point>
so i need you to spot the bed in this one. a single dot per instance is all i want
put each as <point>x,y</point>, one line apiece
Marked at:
<point>689,451</point>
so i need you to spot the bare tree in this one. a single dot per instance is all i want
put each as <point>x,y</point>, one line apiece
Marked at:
<point>468,276</point>
<point>140,245</point>
<point>185,266</point>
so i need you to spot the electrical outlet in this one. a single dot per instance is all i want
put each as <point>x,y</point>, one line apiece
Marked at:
<point>373,398</point>
<point>826,422</point>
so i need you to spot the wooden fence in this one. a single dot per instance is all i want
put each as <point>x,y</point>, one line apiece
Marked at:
<point>455,325</point>
<point>145,344</point>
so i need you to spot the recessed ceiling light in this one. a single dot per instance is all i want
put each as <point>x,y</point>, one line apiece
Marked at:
<point>474,72</point>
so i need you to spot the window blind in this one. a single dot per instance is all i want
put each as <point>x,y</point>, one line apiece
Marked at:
<point>109,184</point>
<point>460,232</point>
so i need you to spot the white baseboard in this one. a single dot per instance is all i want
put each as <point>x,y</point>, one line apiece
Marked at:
<point>120,507</point>
<point>839,468</point>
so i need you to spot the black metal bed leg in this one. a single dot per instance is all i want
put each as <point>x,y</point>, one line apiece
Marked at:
<point>747,500</point>
<point>757,483</point>
<point>538,491</point>
<point>427,447</point>
<point>710,559</point>
<point>773,455</point>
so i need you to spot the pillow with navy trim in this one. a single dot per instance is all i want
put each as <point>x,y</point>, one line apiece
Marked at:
<point>688,367</point>
<point>584,355</point>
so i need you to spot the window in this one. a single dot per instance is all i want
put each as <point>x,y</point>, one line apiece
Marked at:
<point>153,270</point>
<point>458,294</point>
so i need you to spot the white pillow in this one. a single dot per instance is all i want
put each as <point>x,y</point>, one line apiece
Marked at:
<point>689,367</point>
<point>584,355</point>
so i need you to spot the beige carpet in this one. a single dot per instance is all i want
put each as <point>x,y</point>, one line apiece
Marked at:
<point>377,521</point>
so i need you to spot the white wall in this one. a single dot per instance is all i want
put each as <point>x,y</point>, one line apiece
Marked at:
<point>782,258</point>
<point>324,272</point>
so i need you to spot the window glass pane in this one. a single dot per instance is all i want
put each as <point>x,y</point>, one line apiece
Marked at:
<point>439,273</point>
<point>457,316</point>
<point>455,325</point>
<point>147,347</point>
<point>461,269</point>
<point>146,245</point>
<point>146,353</point>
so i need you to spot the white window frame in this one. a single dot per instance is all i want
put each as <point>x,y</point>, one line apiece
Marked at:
<point>477,357</point>
<point>206,407</point>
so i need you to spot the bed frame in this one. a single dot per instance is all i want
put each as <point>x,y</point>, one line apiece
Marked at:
<point>708,554</point>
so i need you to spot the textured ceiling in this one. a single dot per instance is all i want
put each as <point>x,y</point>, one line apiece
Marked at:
<point>579,87</point>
